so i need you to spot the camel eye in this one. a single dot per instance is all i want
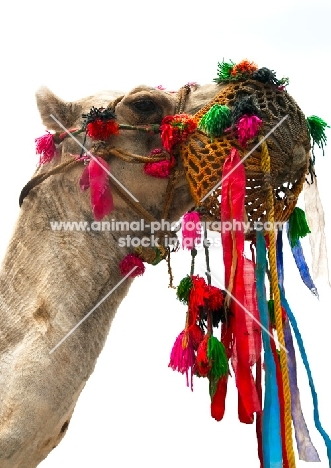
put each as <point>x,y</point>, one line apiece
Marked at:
<point>146,106</point>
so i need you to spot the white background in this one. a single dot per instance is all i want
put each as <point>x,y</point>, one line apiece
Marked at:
<point>135,411</point>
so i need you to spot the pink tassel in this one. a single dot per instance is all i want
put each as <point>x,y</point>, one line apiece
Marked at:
<point>129,262</point>
<point>160,169</point>
<point>248,127</point>
<point>46,148</point>
<point>182,358</point>
<point>84,181</point>
<point>191,229</point>
<point>95,176</point>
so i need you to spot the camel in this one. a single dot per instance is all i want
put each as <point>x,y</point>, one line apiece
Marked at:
<point>51,279</point>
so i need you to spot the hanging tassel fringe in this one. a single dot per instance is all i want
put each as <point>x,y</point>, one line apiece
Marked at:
<point>316,128</point>
<point>182,358</point>
<point>298,226</point>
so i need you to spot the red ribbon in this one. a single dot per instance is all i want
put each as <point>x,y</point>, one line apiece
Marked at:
<point>233,238</point>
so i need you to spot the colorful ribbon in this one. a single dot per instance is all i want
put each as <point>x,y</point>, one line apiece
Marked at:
<point>233,238</point>
<point>302,265</point>
<point>306,449</point>
<point>271,430</point>
<point>304,357</point>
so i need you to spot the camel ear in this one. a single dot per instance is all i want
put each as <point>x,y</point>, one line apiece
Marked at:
<point>200,96</point>
<point>67,113</point>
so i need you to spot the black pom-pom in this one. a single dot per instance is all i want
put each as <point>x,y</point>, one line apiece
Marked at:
<point>265,75</point>
<point>245,105</point>
<point>98,114</point>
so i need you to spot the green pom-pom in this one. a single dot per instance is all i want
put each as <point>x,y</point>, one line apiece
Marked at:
<point>224,70</point>
<point>298,226</point>
<point>184,288</point>
<point>316,128</point>
<point>216,120</point>
<point>217,356</point>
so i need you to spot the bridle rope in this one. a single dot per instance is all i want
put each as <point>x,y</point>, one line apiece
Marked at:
<point>102,151</point>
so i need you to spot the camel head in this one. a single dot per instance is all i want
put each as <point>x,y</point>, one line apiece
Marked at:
<point>141,107</point>
<point>52,279</point>
<point>60,288</point>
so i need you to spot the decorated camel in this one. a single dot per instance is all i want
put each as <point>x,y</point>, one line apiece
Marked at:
<point>152,155</point>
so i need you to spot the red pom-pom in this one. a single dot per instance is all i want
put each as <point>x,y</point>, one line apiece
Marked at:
<point>102,129</point>
<point>196,335</point>
<point>214,298</point>
<point>176,128</point>
<point>160,169</point>
<point>129,262</point>
<point>244,68</point>
<point>46,148</point>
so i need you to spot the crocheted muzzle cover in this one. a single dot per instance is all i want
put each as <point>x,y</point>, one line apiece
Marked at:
<point>203,155</point>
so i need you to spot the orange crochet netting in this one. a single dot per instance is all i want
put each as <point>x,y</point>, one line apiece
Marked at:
<point>288,146</point>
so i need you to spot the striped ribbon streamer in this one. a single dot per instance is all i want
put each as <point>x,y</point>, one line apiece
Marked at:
<point>304,357</point>
<point>306,449</point>
<point>302,265</point>
<point>271,431</point>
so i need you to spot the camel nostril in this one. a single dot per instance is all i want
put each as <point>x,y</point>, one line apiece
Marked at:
<point>64,427</point>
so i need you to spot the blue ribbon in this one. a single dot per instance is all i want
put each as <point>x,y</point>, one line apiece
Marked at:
<point>271,431</point>
<point>302,264</point>
<point>306,449</point>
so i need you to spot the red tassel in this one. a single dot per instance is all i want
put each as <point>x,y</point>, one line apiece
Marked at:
<point>196,297</point>
<point>203,364</point>
<point>46,148</point>
<point>217,406</point>
<point>84,181</point>
<point>102,129</point>
<point>176,128</point>
<point>129,262</point>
